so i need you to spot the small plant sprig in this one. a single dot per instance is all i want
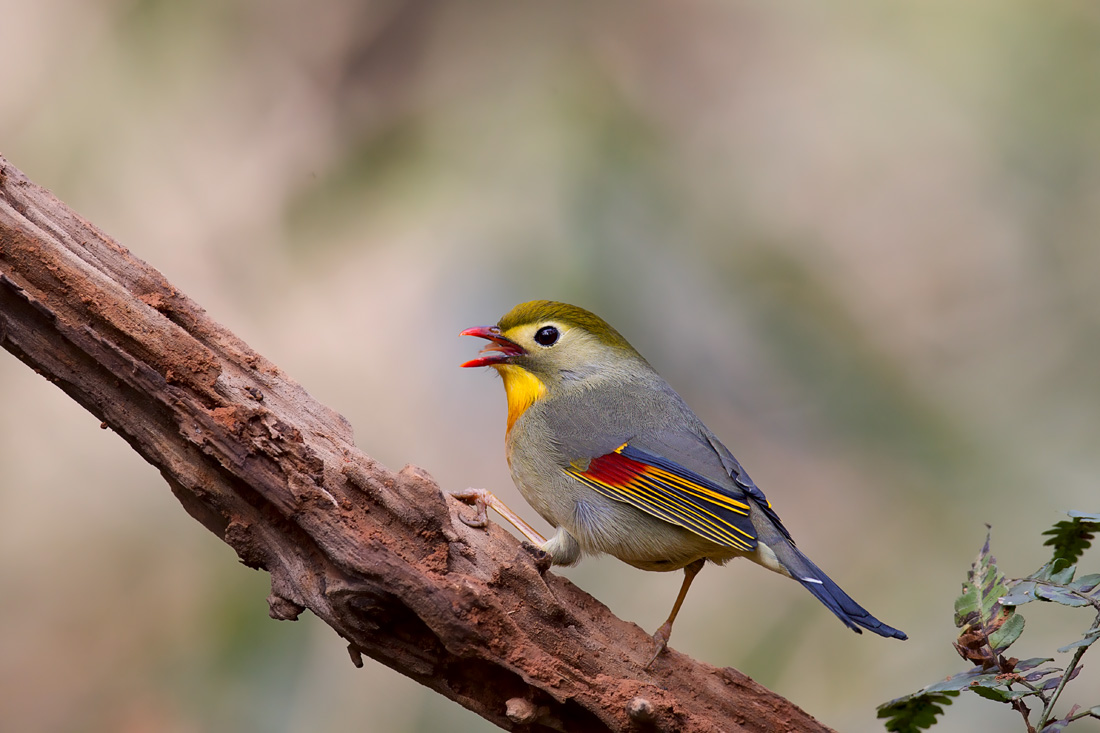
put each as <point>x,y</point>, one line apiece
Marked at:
<point>988,625</point>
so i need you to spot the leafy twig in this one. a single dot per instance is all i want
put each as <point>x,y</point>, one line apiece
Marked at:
<point>1048,711</point>
<point>1071,537</point>
<point>986,615</point>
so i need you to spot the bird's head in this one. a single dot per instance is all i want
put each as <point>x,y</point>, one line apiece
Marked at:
<point>542,347</point>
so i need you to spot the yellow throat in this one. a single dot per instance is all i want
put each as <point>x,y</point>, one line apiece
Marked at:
<point>522,389</point>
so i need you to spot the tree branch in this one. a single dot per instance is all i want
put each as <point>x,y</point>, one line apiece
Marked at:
<point>376,554</point>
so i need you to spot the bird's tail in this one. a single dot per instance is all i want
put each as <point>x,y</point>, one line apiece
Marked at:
<point>791,561</point>
<point>836,600</point>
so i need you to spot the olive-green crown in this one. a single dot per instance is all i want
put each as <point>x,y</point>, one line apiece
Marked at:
<point>536,311</point>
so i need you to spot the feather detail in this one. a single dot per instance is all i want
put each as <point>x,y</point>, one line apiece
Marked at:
<point>666,490</point>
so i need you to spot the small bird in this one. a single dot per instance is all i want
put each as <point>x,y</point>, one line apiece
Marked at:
<point>605,451</point>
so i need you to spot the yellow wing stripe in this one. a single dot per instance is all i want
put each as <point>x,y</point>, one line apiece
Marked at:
<point>702,492</point>
<point>668,496</point>
<point>653,498</point>
<point>696,489</point>
<point>655,494</point>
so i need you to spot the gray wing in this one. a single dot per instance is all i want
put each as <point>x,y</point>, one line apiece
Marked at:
<point>671,466</point>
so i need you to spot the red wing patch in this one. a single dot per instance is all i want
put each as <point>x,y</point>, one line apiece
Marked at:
<point>673,493</point>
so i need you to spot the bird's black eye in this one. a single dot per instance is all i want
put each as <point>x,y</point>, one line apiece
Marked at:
<point>546,336</point>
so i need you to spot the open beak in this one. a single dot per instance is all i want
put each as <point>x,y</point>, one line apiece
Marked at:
<point>499,349</point>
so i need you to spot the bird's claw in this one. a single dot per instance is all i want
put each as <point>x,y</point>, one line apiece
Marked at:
<point>479,499</point>
<point>660,638</point>
<point>483,499</point>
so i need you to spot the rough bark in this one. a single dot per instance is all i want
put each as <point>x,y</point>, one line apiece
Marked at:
<point>378,555</point>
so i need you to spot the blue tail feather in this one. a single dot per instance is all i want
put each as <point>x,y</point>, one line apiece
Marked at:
<point>836,600</point>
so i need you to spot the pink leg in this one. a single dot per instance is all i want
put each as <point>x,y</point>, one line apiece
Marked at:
<point>661,637</point>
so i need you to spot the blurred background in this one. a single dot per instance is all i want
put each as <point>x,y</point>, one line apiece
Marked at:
<point>859,238</point>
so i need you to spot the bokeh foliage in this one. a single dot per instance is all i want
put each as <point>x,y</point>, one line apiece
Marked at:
<point>859,238</point>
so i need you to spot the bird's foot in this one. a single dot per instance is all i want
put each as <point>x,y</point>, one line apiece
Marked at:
<point>480,499</point>
<point>660,638</point>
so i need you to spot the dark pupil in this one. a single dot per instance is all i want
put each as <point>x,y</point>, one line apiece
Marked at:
<point>546,336</point>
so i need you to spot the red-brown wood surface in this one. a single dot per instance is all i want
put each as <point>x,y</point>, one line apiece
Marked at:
<point>379,556</point>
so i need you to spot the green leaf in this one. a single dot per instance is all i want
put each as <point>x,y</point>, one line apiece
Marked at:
<point>1053,582</point>
<point>984,620</point>
<point>1075,645</point>
<point>1062,575</point>
<point>1020,593</point>
<point>1042,573</point>
<point>1091,636</point>
<point>1041,673</point>
<point>1024,665</point>
<point>1086,583</point>
<point>1054,571</point>
<point>961,681</point>
<point>1060,595</point>
<point>1070,538</point>
<point>1009,632</point>
<point>1055,681</point>
<point>1000,695</point>
<point>915,712</point>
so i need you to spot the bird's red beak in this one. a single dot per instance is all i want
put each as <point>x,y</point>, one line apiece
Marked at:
<point>499,349</point>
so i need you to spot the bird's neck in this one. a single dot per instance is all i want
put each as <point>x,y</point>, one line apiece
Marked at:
<point>522,388</point>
